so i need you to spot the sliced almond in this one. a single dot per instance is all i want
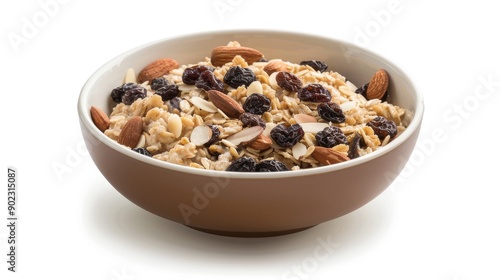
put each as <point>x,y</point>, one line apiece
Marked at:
<point>203,104</point>
<point>200,135</point>
<point>272,81</point>
<point>346,106</point>
<point>328,156</point>
<point>260,143</point>
<point>131,132</point>
<point>378,85</point>
<point>142,141</point>
<point>269,127</point>
<point>100,119</point>
<point>299,150</point>
<point>245,135</point>
<point>226,104</point>
<point>254,87</point>
<point>313,127</point>
<point>130,76</point>
<point>157,69</point>
<point>174,125</point>
<point>352,86</point>
<point>224,54</point>
<point>304,118</point>
<point>184,87</point>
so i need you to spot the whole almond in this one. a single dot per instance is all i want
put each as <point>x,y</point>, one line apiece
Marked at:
<point>275,66</point>
<point>378,85</point>
<point>131,132</point>
<point>226,104</point>
<point>260,143</point>
<point>100,119</point>
<point>224,54</point>
<point>328,156</point>
<point>157,69</point>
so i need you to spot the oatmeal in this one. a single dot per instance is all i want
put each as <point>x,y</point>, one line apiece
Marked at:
<point>237,111</point>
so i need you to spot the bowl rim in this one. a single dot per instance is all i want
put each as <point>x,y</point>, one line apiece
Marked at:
<point>84,112</point>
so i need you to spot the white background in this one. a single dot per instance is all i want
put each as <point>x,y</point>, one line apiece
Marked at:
<point>439,220</point>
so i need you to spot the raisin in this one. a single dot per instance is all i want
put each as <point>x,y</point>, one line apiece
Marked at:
<point>270,166</point>
<point>317,65</point>
<point>118,92</point>
<point>175,103</point>
<point>208,81</point>
<point>331,111</point>
<point>191,74</point>
<point>314,93</point>
<point>383,127</point>
<point>287,136</point>
<point>215,135</point>
<point>362,90</point>
<point>257,104</point>
<point>288,81</point>
<point>243,164</point>
<point>168,92</point>
<point>330,136</point>
<point>157,83</point>
<point>132,95</point>
<point>354,145</point>
<point>142,151</point>
<point>249,119</point>
<point>238,76</point>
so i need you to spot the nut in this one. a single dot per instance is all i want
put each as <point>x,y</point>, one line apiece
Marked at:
<point>226,104</point>
<point>157,69</point>
<point>378,85</point>
<point>328,156</point>
<point>224,54</point>
<point>131,132</point>
<point>275,66</point>
<point>261,143</point>
<point>100,119</point>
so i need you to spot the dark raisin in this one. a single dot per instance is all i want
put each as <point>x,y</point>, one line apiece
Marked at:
<point>354,146</point>
<point>287,136</point>
<point>142,151</point>
<point>208,81</point>
<point>288,81</point>
<point>383,127</point>
<point>191,74</point>
<point>330,136</point>
<point>175,103</point>
<point>257,103</point>
<point>331,111</point>
<point>132,95</point>
<point>317,65</point>
<point>168,92</point>
<point>238,76</point>
<point>243,164</point>
<point>249,119</point>
<point>215,135</point>
<point>157,83</point>
<point>362,90</point>
<point>118,92</point>
<point>270,166</point>
<point>314,93</point>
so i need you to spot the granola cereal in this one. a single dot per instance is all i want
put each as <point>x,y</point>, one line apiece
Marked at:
<point>267,117</point>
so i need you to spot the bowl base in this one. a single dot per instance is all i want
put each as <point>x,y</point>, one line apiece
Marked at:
<point>250,234</point>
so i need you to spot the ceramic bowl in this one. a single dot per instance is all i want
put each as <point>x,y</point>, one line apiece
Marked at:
<point>250,204</point>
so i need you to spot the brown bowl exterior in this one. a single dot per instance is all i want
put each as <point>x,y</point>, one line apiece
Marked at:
<point>247,207</point>
<point>251,204</point>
